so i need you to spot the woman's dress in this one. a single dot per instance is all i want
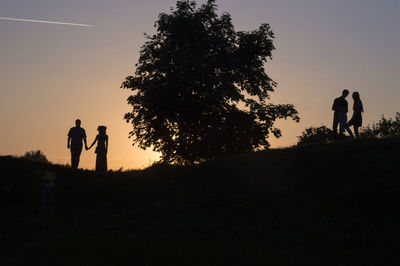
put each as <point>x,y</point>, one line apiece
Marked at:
<point>356,120</point>
<point>101,151</point>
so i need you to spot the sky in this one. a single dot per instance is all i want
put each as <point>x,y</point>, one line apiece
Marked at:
<point>51,74</point>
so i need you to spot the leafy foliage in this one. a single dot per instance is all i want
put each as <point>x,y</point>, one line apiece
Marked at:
<point>314,135</point>
<point>368,132</point>
<point>200,87</point>
<point>37,156</point>
<point>386,127</point>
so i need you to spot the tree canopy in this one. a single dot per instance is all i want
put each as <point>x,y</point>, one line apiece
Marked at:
<point>200,87</point>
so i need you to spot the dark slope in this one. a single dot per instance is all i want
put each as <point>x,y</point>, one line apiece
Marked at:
<point>332,204</point>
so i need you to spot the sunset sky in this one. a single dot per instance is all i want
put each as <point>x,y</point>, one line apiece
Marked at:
<point>51,74</point>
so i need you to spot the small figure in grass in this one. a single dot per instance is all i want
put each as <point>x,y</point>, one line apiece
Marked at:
<point>356,120</point>
<point>49,191</point>
<point>101,149</point>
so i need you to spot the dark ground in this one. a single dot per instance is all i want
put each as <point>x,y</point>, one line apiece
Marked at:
<point>334,204</point>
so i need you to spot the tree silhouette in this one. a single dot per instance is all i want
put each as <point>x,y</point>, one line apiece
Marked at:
<point>200,87</point>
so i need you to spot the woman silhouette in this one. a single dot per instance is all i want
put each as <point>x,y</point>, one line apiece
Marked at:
<point>356,120</point>
<point>101,149</point>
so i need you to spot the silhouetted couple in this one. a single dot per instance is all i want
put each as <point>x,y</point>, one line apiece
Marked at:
<point>77,135</point>
<point>340,108</point>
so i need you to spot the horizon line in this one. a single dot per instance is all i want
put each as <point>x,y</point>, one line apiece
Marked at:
<point>46,22</point>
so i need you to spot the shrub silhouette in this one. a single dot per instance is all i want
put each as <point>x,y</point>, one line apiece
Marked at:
<point>387,127</point>
<point>368,132</point>
<point>384,128</point>
<point>37,156</point>
<point>314,135</point>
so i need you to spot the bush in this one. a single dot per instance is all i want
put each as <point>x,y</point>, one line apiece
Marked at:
<point>37,156</point>
<point>386,127</point>
<point>314,135</point>
<point>368,132</point>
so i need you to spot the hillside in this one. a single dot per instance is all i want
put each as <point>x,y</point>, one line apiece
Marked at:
<point>331,204</point>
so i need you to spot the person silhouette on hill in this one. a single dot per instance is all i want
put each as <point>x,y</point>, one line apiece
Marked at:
<point>101,149</point>
<point>340,108</point>
<point>356,119</point>
<point>75,137</point>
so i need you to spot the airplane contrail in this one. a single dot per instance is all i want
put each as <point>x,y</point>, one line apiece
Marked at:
<point>45,21</point>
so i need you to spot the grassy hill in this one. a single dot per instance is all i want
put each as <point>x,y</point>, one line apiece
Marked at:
<point>334,204</point>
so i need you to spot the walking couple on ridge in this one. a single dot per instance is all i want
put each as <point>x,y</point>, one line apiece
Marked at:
<point>77,135</point>
<point>340,108</point>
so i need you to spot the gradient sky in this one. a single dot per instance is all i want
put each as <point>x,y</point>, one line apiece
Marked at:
<point>52,74</point>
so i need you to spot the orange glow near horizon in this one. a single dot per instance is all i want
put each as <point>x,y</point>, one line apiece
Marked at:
<point>51,75</point>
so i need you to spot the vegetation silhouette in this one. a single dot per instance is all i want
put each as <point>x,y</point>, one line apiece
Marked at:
<point>101,149</point>
<point>37,156</point>
<point>316,135</point>
<point>384,128</point>
<point>200,87</point>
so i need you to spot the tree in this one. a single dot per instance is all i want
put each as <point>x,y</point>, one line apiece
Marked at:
<point>200,87</point>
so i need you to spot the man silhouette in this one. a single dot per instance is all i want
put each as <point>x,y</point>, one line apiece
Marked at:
<point>340,108</point>
<point>75,137</point>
